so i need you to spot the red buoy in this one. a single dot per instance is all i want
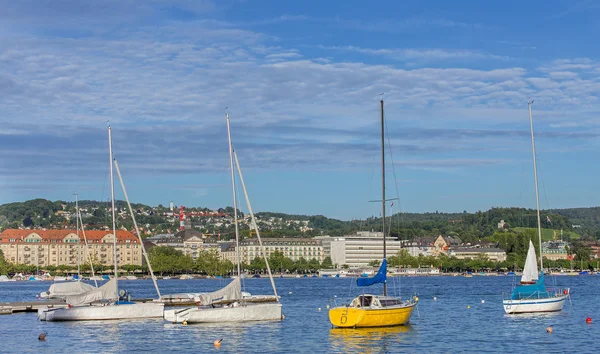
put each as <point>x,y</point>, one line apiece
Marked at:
<point>588,320</point>
<point>565,292</point>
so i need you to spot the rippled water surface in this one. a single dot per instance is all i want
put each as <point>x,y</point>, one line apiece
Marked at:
<point>442,326</point>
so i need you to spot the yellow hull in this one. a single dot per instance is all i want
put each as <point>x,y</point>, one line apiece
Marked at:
<point>353,317</point>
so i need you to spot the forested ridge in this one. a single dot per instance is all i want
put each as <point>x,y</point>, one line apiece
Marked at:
<point>469,227</point>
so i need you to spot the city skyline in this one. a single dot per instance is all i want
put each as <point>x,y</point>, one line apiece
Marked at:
<point>301,82</point>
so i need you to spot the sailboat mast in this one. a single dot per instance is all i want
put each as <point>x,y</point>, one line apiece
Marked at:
<point>78,239</point>
<point>235,219</point>
<point>383,186</point>
<point>537,198</point>
<point>112,196</point>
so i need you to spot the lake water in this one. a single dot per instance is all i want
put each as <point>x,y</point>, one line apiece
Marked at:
<point>442,326</point>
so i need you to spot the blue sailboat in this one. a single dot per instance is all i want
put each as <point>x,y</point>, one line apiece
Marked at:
<point>532,295</point>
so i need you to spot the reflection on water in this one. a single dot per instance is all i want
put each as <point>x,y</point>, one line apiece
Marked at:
<point>367,340</point>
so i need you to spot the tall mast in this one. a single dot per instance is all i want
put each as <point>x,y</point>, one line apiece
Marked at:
<point>537,198</point>
<point>78,239</point>
<point>112,196</point>
<point>235,220</point>
<point>383,185</point>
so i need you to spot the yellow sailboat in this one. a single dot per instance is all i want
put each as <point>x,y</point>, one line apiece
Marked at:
<point>368,310</point>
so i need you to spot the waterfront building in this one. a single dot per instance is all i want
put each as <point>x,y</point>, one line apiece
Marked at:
<point>62,247</point>
<point>292,248</point>
<point>493,254</point>
<point>360,249</point>
<point>419,246</point>
<point>443,243</point>
<point>190,242</point>
<point>555,250</point>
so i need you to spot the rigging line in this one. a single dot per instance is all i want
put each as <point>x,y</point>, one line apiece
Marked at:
<point>541,175</point>
<point>395,180</point>
<point>393,164</point>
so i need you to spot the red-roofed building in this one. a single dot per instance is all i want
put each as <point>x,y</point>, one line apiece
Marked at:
<point>63,247</point>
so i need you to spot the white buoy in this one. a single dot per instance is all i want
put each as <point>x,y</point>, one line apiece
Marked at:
<point>319,309</point>
<point>483,301</point>
<point>435,298</point>
<point>290,293</point>
<point>327,306</point>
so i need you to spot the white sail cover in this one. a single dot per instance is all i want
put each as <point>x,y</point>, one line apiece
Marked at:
<point>68,289</point>
<point>233,291</point>
<point>530,271</point>
<point>107,291</point>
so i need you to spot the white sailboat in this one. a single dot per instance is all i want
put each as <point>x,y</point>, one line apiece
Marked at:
<point>62,287</point>
<point>229,304</point>
<point>104,303</point>
<point>531,295</point>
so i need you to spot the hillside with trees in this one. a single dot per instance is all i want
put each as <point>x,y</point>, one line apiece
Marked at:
<point>470,227</point>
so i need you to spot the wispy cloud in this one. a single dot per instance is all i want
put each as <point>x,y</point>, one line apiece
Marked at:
<point>401,25</point>
<point>418,54</point>
<point>164,84</point>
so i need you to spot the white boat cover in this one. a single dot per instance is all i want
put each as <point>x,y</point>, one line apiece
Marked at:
<point>108,312</point>
<point>239,313</point>
<point>58,290</point>
<point>233,291</point>
<point>530,271</point>
<point>107,291</point>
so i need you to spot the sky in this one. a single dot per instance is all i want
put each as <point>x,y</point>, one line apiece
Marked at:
<point>301,81</point>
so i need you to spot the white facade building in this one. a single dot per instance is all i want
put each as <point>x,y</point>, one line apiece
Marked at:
<point>358,250</point>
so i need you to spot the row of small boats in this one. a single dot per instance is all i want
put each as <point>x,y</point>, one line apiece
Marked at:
<point>107,302</point>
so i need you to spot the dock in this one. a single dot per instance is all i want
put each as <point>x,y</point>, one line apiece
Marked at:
<point>7,308</point>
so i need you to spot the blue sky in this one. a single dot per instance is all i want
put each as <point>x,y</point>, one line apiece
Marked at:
<point>301,81</point>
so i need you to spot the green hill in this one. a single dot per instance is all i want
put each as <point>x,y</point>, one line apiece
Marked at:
<point>549,234</point>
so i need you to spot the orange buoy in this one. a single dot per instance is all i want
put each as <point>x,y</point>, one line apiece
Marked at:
<point>217,342</point>
<point>588,320</point>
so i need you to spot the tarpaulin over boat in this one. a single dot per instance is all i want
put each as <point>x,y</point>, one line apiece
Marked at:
<point>531,291</point>
<point>68,289</point>
<point>107,291</point>
<point>380,277</point>
<point>233,291</point>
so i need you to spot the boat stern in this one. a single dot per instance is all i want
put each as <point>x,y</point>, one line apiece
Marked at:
<point>175,316</point>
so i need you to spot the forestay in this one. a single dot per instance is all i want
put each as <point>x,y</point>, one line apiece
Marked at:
<point>107,291</point>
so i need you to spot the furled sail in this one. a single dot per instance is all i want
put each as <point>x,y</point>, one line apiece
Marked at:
<point>107,291</point>
<point>380,277</point>
<point>530,271</point>
<point>59,290</point>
